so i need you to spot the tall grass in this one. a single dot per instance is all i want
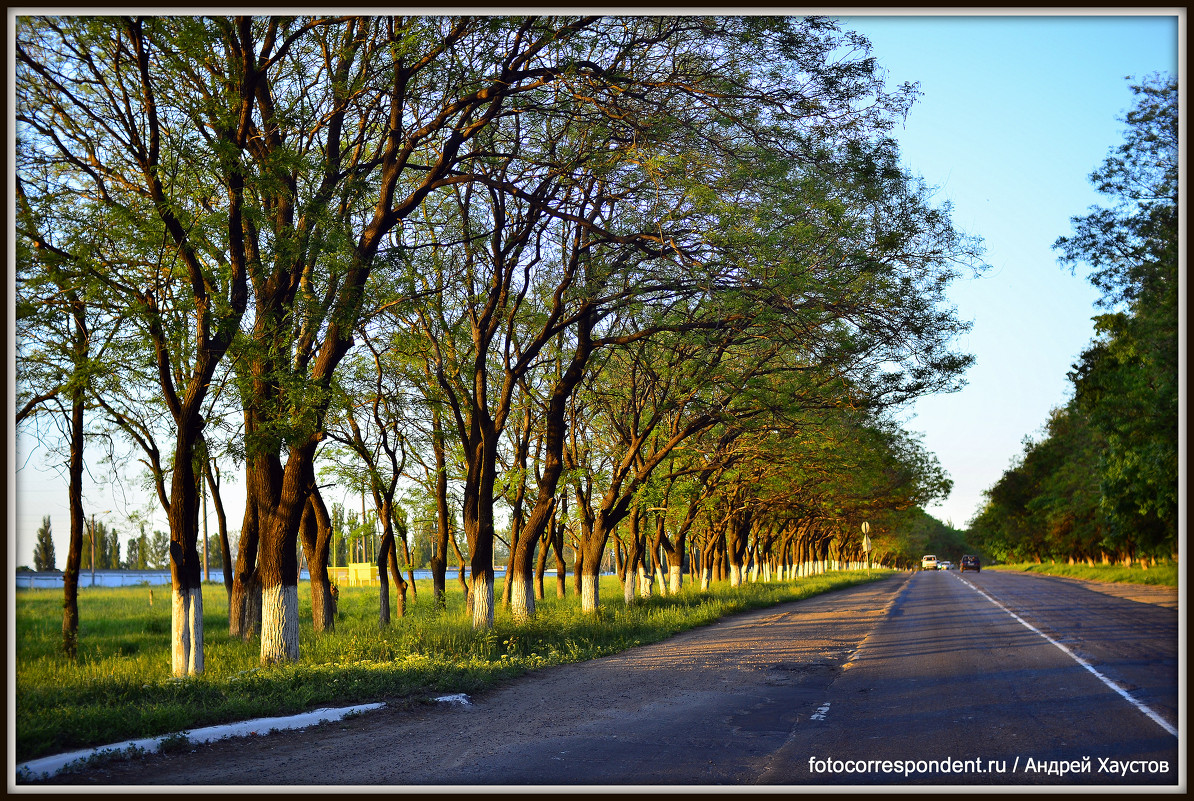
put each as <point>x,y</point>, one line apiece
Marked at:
<point>1164,574</point>
<point>120,686</point>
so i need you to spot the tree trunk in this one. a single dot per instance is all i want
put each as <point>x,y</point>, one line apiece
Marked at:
<point>399,605</point>
<point>482,599</point>
<point>186,629</point>
<point>737,530</point>
<point>279,621</point>
<point>561,565</point>
<point>592,546</point>
<point>576,571</point>
<point>541,557</point>
<point>281,496</point>
<point>244,605</point>
<point>383,593</point>
<point>520,571</point>
<point>631,569</point>
<point>213,484</point>
<point>478,520</point>
<point>387,555</point>
<point>443,530</point>
<point>70,577</point>
<point>315,529</point>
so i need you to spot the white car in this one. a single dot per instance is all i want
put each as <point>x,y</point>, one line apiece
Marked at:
<point>944,565</point>
<point>928,562</point>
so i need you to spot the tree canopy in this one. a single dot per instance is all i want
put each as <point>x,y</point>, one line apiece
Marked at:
<point>527,271</point>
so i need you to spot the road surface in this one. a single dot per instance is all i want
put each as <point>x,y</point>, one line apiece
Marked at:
<point>929,678</point>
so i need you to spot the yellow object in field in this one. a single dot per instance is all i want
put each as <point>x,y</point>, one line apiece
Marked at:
<point>362,573</point>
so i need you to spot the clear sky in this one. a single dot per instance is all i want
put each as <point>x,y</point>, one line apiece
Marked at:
<point>1016,112</point>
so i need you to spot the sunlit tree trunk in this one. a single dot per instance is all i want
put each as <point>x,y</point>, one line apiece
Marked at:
<point>283,493</point>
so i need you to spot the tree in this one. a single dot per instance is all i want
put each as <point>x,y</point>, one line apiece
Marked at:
<point>137,552</point>
<point>159,551</point>
<point>127,148</point>
<point>109,541</point>
<point>1127,381</point>
<point>61,339</point>
<point>370,411</point>
<point>43,552</point>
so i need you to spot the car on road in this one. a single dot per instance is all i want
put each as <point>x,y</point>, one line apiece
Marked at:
<point>928,562</point>
<point>970,562</point>
<point>944,565</point>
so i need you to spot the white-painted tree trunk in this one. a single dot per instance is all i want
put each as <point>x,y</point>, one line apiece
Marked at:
<point>706,577</point>
<point>590,594</point>
<point>661,579</point>
<point>483,602</point>
<point>644,583</point>
<point>279,624</point>
<point>628,588</point>
<point>675,578</point>
<point>186,632</point>
<point>522,599</point>
<point>735,575</point>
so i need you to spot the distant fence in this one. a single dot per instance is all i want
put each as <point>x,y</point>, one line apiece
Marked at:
<point>356,574</point>
<point>105,578</point>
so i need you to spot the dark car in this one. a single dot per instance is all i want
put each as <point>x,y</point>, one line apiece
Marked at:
<point>970,563</point>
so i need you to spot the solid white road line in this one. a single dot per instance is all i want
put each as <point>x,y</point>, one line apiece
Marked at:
<point>1160,721</point>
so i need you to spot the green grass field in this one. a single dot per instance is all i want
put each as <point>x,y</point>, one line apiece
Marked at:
<point>120,687</point>
<point>1163,574</point>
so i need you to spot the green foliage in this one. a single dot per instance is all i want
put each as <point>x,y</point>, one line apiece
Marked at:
<point>1047,505</point>
<point>43,552</point>
<point>1127,381</point>
<point>120,687</point>
<point>919,533</point>
<point>158,557</point>
<point>102,544</point>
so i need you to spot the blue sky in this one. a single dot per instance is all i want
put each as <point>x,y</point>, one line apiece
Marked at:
<point>1016,112</point>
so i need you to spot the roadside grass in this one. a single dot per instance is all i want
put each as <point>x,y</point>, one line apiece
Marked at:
<point>1164,574</point>
<point>120,686</point>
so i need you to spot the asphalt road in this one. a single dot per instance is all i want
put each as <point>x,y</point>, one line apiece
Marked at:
<point>955,675</point>
<point>921,679</point>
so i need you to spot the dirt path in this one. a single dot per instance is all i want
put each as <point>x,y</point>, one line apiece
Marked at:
<point>701,708</point>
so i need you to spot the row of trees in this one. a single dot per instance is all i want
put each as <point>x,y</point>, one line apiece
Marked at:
<point>654,278</point>
<point>142,551</point>
<point>1101,484</point>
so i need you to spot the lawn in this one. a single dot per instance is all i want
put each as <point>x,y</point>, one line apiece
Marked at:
<point>1162,574</point>
<point>120,686</point>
